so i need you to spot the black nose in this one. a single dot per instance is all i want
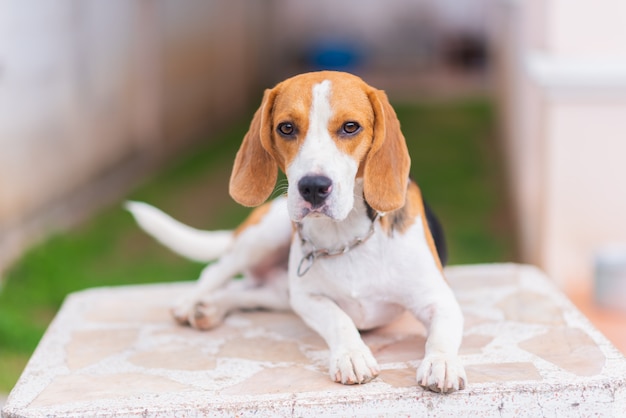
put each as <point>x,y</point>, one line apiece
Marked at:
<point>315,189</point>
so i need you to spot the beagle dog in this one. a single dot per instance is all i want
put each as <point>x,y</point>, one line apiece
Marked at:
<point>348,248</point>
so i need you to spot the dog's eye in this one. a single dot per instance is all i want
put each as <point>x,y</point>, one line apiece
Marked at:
<point>350,128</point>
<point>286,129</point>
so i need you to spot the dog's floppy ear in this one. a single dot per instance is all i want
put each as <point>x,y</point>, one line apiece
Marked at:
<point>387,163</point>
<point>255,171</point>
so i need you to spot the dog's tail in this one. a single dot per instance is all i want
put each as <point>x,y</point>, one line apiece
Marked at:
<point>189,242</point>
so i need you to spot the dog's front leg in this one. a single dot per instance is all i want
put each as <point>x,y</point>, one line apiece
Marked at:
<point>351,361</point>
<point>441,369</point>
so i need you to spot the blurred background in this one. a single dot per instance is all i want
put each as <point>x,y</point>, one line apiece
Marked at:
<point>514,110</point>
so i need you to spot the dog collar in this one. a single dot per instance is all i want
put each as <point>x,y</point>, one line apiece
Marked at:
<point>309,258</point>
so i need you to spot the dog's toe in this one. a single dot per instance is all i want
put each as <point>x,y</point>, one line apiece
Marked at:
<point>441,373</point>
<point>180,315</point>
<point>183,309</point>
<point>206,316</point>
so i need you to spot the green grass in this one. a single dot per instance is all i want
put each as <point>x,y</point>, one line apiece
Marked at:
<point>456,161</point>
<point>454,158</point>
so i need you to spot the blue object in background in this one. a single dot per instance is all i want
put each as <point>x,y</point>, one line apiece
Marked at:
<point>335,55</point>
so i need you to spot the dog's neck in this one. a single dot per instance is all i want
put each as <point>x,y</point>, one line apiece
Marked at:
<point>331,234</point>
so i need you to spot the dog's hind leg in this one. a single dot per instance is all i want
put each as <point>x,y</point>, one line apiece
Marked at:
<point>244,294</point>
<point>212,278</point>
<point>260,247</point>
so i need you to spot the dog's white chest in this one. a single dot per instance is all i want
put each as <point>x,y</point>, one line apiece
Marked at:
<point>370,290</point>
<point>367,287</point>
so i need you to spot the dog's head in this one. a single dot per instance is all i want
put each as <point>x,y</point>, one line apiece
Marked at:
<point>325,130</point>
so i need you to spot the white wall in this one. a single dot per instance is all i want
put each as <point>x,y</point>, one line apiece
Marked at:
<point>564,101</point>
<point>99,91</point>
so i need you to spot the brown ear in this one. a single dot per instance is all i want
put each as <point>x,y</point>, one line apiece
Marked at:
<point>255,171</point>
<point>387,164</point>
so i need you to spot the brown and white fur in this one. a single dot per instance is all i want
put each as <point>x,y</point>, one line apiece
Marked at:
<point>339,143</point>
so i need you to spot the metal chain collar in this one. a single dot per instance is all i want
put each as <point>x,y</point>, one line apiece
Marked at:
<point>309,258</point>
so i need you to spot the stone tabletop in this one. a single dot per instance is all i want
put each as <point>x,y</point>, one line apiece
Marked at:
<point>116,352</point>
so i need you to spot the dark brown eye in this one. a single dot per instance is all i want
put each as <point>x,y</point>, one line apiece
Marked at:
<point>286,129</point>
<point>350,128</point>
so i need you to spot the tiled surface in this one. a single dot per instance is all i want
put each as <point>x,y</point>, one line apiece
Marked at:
<point>116,352</point>
<point>611,322</point>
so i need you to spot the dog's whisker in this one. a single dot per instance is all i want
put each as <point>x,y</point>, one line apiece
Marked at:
<point>281,188</point>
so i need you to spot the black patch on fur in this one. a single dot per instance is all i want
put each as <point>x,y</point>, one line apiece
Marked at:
<point>371,213</point>
<point>438,235</point>
<point>398,219</point>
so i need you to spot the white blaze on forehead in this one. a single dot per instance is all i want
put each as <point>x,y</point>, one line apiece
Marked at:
<point>318,147</point>
<point>321,110</point>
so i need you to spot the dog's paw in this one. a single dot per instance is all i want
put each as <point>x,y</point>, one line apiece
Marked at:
<point>199,314</point>
<point>353,366</point>
<point>441,373</point>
